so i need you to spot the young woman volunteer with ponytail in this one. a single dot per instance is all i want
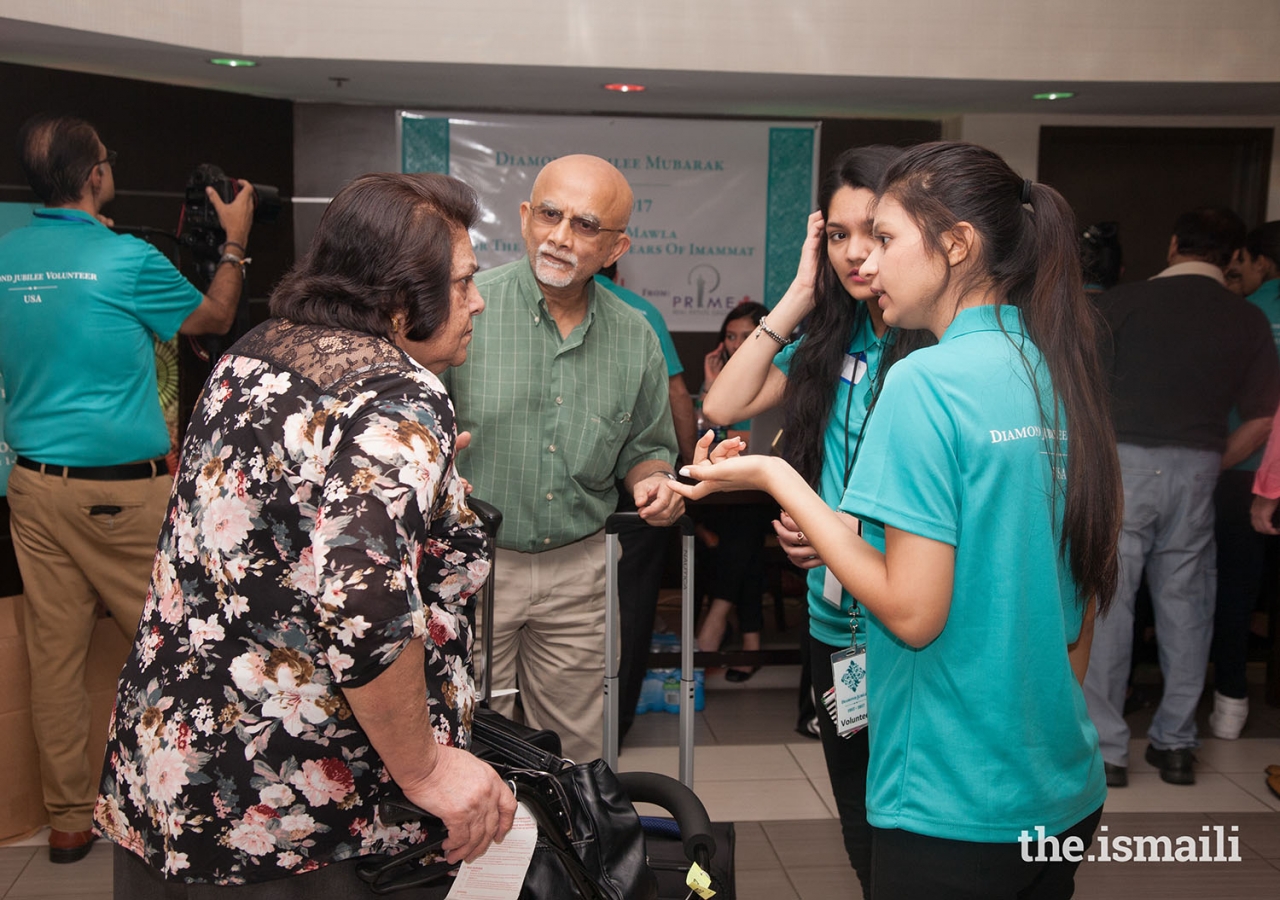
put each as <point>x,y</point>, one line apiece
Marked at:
<point>825,382</point>
<point>989,490</point>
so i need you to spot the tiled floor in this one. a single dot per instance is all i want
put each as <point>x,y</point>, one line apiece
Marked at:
<point>751,768</point>
<point>768,782</point>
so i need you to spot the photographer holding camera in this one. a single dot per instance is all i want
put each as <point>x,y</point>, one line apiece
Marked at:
<point>79,305</point>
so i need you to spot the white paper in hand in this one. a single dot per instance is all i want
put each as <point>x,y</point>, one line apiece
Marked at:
<point>499,873</point>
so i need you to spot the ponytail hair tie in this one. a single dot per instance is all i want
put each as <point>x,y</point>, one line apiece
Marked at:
<point>1026,192</point>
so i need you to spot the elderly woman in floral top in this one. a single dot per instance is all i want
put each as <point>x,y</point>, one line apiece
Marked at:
<point>305,650</point>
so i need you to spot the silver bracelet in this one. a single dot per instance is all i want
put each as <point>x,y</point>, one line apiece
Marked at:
<point>241,262</point>
<point>764,326</point>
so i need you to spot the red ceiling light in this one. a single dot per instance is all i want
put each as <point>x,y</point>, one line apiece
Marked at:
<point>625,88</point>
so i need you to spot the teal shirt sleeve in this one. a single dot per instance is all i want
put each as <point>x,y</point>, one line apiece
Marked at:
<point>653,434</point>
<point>783,360</point>
<point>162,298</point>
<point>908,473</point>
<point>668,346</point>
<point>653,317</point>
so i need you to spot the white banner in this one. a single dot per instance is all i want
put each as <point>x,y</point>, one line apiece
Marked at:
<point>719,210</point>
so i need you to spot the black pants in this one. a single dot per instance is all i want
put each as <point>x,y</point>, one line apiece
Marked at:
<point>738,561</point>
<point>909,866</point>
<point>1241,562</point>
<point>644,557</point>
<point>847,766</point>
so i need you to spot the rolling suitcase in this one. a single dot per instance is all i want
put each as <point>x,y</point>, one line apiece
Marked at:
<point>691,838</point>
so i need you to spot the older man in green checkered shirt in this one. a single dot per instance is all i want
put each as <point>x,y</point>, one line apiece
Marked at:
<point>564,392</point>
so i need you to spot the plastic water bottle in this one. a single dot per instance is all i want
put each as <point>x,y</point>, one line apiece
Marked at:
<point>671,691</point>
<point>651,698</point>
<point>651,688</point>
<point>699,690</point>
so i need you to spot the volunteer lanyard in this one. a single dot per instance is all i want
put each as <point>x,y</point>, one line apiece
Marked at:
<point>849,458</point>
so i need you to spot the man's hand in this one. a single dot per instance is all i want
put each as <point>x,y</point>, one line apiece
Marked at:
<point>469,797</point>
<point>217,312</point>
<point>1263,514</point>
<point>655,501</point>
<point>236,217</point>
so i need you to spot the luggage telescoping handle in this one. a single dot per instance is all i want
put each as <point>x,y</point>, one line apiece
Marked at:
<point>684,806</point>
<point>613,639</point>
<point>491,518</point>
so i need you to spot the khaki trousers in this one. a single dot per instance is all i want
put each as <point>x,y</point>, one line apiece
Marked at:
<point>69,557</point>
<point>548,640</point>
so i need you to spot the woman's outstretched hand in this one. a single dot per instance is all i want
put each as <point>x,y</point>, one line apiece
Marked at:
<point>722,469</point>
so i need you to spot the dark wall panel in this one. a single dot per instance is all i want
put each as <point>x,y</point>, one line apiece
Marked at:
<point>1144,177</point>
<point>162,133</point>
<point>839,135</point>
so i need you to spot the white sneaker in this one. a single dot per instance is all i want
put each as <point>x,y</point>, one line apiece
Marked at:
<point>1228,716</point>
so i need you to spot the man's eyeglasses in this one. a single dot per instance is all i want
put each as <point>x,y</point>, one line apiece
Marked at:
<point>551,217</point>
<point>110,159</point>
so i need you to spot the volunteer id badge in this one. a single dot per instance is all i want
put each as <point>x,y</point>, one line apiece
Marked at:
<point>849,674</point>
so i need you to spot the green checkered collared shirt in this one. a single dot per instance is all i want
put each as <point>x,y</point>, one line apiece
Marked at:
<point>554,422</point>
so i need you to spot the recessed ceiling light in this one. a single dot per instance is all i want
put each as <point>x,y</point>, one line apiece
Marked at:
<point>625,88</point>
<point>1054,95</point>
<point>233,63</point>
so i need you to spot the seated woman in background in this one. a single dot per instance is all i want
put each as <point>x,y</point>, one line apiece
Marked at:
<point>989,491</point>
<point>735,534</point>
<point>305,649</point>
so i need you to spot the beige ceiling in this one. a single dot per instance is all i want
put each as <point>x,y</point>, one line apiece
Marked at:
<point>812,58</point>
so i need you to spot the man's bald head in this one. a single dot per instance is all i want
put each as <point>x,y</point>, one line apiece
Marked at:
<point>575,221</point>
<point>594,176</point>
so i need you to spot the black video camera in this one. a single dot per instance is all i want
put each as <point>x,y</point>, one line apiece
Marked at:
<point>199,227</point>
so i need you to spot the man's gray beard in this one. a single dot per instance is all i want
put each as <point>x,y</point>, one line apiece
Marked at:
<point>554,276</point>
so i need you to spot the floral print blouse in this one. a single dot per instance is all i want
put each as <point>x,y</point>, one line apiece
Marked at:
<point>317,525</point>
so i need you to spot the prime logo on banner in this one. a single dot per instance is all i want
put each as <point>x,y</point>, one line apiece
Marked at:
<point>720,206</point>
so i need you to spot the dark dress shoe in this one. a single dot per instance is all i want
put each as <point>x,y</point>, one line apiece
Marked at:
<point>69,846</point>
<point>1176,766</point>
<point>737,676</point>
<point>1117,776</point>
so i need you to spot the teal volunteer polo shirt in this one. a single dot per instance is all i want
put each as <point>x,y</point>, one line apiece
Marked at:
<point>984,732</point>
<point>79,306</point>
<point>827,622</point>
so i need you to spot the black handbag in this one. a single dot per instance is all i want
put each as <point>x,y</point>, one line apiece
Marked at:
<point>590,843</point>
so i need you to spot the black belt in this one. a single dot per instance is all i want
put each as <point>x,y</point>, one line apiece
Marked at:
<point>126,472</point>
